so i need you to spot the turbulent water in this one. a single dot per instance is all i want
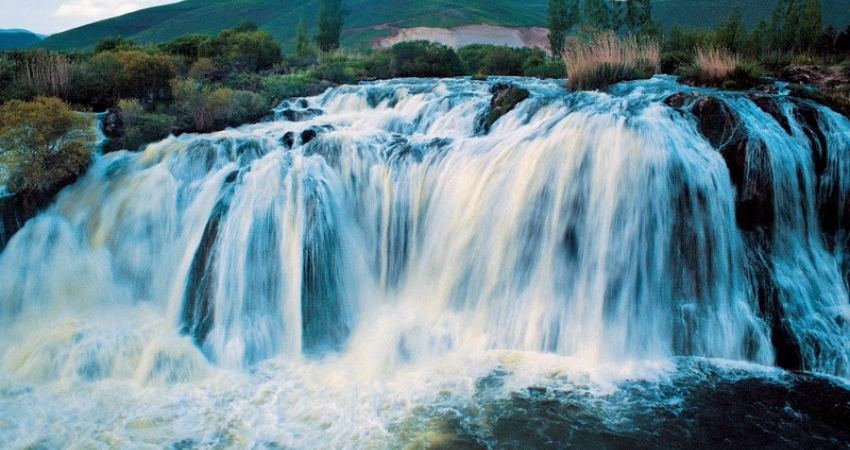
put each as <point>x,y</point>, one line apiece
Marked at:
<point>372,269</point>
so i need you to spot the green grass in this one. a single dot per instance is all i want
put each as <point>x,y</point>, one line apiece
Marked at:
<point>279,17</point>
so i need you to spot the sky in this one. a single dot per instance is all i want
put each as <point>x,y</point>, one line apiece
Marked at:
<point>53,16</point>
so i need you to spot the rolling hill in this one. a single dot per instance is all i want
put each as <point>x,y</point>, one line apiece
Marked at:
<point>17,38</point>
<point>366,19</point>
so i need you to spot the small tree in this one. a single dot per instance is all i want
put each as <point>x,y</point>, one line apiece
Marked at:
<point>562,15</point>
<point>302,39</point>
<point>638,15</point>
<point>732,32</point>
<point>811,26</point>
<point>330,21</point>
<point>43,144</point>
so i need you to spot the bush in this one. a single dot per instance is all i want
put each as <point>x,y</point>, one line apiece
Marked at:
<point>243,48</point>
<point>204,109</point>
<point>424,59</point>
<point>335,70</point>
<point>544,68</point>
<point>43,144</point>
<point>301,84</point>
<point>605,59</point>
<point>141,127</point>
<point>497,59</point>
<point>379,64</point>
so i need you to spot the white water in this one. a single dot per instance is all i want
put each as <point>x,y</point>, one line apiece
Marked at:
<point>332,290</point>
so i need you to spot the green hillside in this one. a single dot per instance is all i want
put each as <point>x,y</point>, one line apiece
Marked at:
<point>10,39</point>
<point>279,17</point>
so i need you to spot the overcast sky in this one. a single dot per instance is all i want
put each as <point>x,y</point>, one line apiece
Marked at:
<point>53,16</point>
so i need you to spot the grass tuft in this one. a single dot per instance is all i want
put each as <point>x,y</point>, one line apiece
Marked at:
<point>606,59</point>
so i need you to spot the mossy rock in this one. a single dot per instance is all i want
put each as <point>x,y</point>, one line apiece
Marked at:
<point>505,97</point>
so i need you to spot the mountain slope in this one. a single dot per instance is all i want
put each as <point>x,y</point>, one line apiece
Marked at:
<point>365,19</point>
<point>17,38</point>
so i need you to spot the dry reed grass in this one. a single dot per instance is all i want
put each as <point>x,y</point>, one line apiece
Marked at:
<point>714,64</point>
<point>607,59</point>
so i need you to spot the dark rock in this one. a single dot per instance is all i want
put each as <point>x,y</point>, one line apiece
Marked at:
<point>747,160</point>
<point>771,107</point>
<point>309,134</point>
<point>295,115</point>
<point>288,139</point>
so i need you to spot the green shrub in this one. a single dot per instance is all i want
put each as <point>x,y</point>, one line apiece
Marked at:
<point>203,109</point>
<point>43,144</point>
<point>243,48</point>
<point>300,84</point>
<point>335,70</point>
<point>497,59</point>
<point>141,127</point>
<point>424,59</point>
<point>544,68</point>
<point>379,64</point>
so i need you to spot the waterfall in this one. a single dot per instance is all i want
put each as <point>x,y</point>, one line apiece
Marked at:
<point>375,229</point>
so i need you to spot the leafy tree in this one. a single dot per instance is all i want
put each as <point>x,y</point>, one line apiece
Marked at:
<point>330,21</point>
<point>146,77</point>
<point>424,59</point>
<point>43,144</point>
<point>811,26</point>
<point>562,15</point>
<point>302,39</point>
<point>244,48</point>
<point>732,32</point>
<point>638,14</point>
<point>188,45</point>
<point>111,44</point>
<point>842,41</point>
<point>600,15</point>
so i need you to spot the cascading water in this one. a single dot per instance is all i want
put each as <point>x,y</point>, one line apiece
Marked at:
<point>383,273</point>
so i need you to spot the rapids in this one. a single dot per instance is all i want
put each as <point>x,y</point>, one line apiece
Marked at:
<point>370,269</point>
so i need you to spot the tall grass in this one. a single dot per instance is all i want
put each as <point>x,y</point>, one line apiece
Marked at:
<point>606,59</point>
<point>713,65</point>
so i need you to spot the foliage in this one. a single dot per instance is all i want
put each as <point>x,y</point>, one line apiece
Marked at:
<point>141,127</point>
<point>115,43</point>
<point>606,59</point>
<point>43,144</point>
<point>303,48</point>
<point>145,76</point>
<point>335,70</point>
<point>301,84</point>
<point>497,59</point>
<point>188,45</point>
<point>732,32</point>
<point>544,68</point>
<point>48,72</point>
<point>638,15</point>
<point>600,15</point>
<point>243,49</point>
<point>424,59</point>
<point>330,21</point>
<point>561,16</point>
<point>204,108</point>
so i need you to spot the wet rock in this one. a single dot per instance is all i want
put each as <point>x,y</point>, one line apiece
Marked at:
<point>747,160</point>
<point>505,97</point>
<point>770,106</point>
<point>288,139</point>
<point>294,115</point>
<point>309,134</point>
